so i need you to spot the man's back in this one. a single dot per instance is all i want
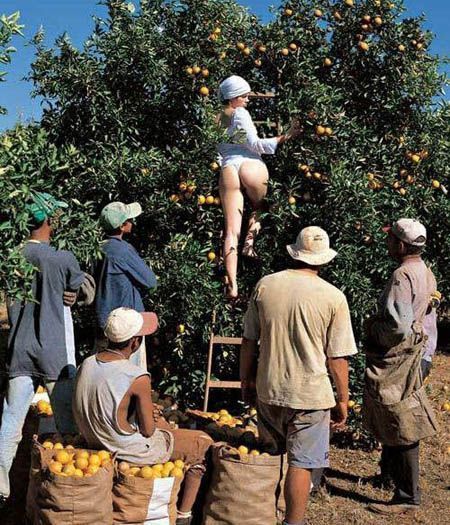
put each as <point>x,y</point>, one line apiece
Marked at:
<point>39,330</point>
<point>301,320</point>
<point>121,278</point>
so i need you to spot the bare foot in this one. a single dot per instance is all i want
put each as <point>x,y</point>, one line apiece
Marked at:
<point>231,292</point>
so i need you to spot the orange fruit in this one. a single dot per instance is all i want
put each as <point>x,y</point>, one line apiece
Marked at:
<point>182,186</point>
<point>78,473</point>
<point>262,49</point>
<point>123,467</point>
<point>348,3</point>
<point>180,328</point>
<point>69,470</point>
<point>328,131</point>
<point>240,46</point>
<point>217,30</point>
<point>177,473</point>
<point>174,198</point>
<point>254,453</point>
<point>209,199</point>
<point>211,256</point>
<point>327,62</point>
<point>214,165</point>
<point>364,46</point>
<point>179,463</point>
<point>292,200</point>
<point>446,406</point>
<point>288,12</point>
<point>415,158</point>
<point>401,48</point>
<point>42,405</point>
<point>204,91</point>
<point>81,454</point>
<point>205,73</point>
<point>258,62</point>
<point>156,473</point>
<point>402,191</point>
<point>189,70</point>
<point>317,175</point>
<point>104,454</point>
<point>217,201</point>
<point>169,465</point>
<point>94,460</point>
<point>55,467</point>
<point>196,70</point>
<point>201,199</point>
<point>246,51</point>
<point>378,20</point>
<point>62,457</point>
<point>351,403</point>
<point>48,445</point>
<point>285,51</point>
<point>293,46</point>
<point>435,183</point>
<point>337,16</point>
<point>92,469</point>
<point>223,412</point>
<point>318,13</point>
<point>243,450</point>
<point>146,472</point>
<point>81,463</point>
<point>320,130</point>
<point>303,167</point>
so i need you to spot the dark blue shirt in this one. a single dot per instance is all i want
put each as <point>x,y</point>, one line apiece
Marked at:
<point>40,340</point>
<point>122,276</point>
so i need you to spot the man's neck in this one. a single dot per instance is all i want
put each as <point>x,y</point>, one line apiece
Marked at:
<point>40,235</point>
<point>307,271</point>
<point>117,236</point>
<point>410,258</point>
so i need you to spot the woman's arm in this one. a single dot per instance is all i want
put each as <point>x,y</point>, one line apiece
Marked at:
<point>243,123</point>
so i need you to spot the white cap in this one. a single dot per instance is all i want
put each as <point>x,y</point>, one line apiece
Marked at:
<point>233,87</point>
<point>124,323</point>
<point>409,231</point>
<point>312,247</point>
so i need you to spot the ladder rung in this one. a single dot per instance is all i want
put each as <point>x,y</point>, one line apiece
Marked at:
<point>262,95</point>
<point>224,384</point>
<point>221,340</point>
<point>265,123</point>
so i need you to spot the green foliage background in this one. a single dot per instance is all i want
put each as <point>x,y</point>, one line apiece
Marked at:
<point>123,120</point>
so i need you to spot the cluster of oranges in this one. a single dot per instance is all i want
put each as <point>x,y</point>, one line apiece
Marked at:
<point>69,462</point>
<point>223,417</point>
<point>44,408</point>
<point>209,199</point>
<point>310,174</point>
<point>244,452</point>
<point>171,469</point>
<point>323,131</point>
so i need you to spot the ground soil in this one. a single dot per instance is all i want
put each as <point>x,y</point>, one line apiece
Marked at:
<point>348,491</point>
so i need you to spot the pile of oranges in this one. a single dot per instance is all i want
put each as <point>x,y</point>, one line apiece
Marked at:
<point>171,469</point>
<point>68,461</point>
<point>44,408</point>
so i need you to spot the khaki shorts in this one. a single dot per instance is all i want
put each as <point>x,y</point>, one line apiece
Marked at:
<point>303,434</point>
<point>190,446</point>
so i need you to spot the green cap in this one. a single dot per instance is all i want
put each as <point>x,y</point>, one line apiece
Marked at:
<point>115,214</point>
<point>43,206</point>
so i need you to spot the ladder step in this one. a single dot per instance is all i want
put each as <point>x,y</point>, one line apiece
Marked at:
<point>265,123</point>
<point>262,95</point>
<point>224,384</point>
<point>221,340</point>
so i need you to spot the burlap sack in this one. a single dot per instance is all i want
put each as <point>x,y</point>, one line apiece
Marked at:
<point>57,500</point>
<point>145,501</point>
<point>243,489</point>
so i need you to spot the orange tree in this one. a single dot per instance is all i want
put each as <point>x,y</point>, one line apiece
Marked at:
<point>131,117</point>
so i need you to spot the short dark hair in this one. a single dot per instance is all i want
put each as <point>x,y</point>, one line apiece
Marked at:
<point>115,231</point>
<point>413,250</point>
<point>118,346</point>
<point>35,225</point>
<point>295,264</point>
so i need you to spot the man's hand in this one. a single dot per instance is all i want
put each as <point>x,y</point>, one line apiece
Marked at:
<point>69,298</point>
<point>339,415</point>
<point>249,392</point>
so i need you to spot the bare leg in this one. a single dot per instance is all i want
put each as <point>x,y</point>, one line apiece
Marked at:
<point>254,177</point>
<point>296,493</point>
<point>191,486</point>
<point>232,205</point>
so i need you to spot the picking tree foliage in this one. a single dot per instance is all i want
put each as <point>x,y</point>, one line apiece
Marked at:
<point>130,117</point>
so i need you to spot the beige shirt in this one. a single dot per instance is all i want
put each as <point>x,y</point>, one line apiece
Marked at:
<point>299,320</point>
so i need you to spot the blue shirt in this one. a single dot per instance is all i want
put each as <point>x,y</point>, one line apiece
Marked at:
<point>40,339</point>
<point>122,276</point>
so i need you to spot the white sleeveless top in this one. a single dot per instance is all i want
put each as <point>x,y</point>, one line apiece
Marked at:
<point>99,390</point>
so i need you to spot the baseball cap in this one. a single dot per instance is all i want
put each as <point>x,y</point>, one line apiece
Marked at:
<point>312,246</point>
<point>115,214</point>
<point>43,205</point>
<point>410,231</point>
<point>124,323</point>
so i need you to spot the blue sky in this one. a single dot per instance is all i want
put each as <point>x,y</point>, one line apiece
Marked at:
<point>74,16</point>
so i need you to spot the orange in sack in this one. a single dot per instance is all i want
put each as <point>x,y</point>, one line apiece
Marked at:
<point>147,494</point>
<point>67,489</point>
<point>244,487</point>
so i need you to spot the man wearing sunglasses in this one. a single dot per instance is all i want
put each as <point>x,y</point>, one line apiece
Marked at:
<point>122,276</point>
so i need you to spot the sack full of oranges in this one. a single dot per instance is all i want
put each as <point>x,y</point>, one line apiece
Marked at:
<point>69,486</point>
<point>147,494</point>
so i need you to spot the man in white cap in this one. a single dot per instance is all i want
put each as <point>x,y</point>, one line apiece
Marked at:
<point>122,275</point>
<point>396,409</point>
<point>113,407</point>
<point>302,324</point>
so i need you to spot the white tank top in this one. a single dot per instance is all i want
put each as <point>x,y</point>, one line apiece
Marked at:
<point>99,390</point>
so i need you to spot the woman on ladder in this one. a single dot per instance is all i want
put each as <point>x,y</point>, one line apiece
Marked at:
<point>242,169</point>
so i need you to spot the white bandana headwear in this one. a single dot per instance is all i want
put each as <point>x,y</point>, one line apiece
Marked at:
<point>233,87</point>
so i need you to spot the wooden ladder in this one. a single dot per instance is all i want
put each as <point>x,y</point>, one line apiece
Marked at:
<point>217,340</point>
